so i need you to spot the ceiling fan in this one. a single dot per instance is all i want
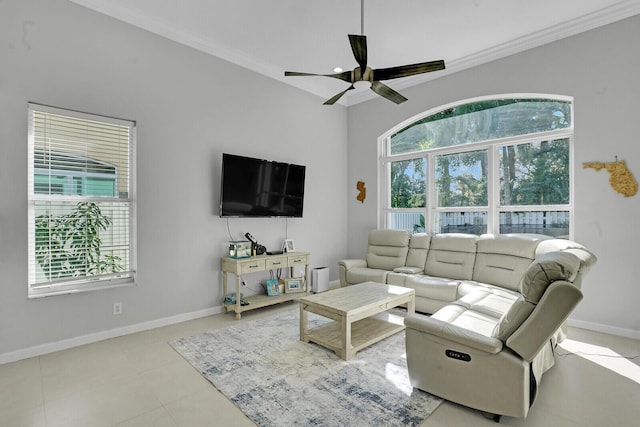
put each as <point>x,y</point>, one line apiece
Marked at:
<point>364,73</point>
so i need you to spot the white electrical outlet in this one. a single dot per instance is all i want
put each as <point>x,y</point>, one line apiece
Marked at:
<point>117,308</point>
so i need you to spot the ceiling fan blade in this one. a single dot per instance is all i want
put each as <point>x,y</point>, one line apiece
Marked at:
<point>335,98</point>
<point>359,48</point>
<point>344,76</point>
<point>386,92</point>
<point>407,70</point>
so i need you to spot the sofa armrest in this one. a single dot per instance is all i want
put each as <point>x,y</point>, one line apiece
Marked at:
<point>454,333</point>
<point>345,265</point>
<point>348,264</point>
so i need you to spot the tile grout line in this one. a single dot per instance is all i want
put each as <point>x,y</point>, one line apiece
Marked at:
<point>44,403</point>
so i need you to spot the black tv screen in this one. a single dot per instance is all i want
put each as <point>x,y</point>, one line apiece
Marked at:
<point>260,188</point>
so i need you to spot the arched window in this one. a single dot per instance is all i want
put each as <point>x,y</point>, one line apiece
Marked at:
<point>498,164</point>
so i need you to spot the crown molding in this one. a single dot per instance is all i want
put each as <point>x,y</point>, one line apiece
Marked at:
<point>620,11</point>
<point>202,44</point>
<point>617,12</point>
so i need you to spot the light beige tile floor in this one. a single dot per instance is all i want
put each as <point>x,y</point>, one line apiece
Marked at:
<point>138,380</point>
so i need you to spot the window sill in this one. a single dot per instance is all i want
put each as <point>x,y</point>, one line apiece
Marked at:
<point>66,289</point>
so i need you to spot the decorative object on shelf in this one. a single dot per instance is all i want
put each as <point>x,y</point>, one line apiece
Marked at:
<point>239,249</point>
<point>273,288</point>
<point>364,73</point>
<point>620,177</point>
<point>289,246</point>
<point>362,191</point>
<point>293,285</point>
<point>256,248</point>
<point>231,299</point>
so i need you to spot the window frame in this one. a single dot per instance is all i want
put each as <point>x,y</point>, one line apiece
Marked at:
<point>493,209</point>
<point>88,283</point>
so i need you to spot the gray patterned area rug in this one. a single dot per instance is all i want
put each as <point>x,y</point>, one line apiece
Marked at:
<point>277,380</point>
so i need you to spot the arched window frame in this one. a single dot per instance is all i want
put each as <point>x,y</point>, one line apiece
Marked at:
<point>493,208</point>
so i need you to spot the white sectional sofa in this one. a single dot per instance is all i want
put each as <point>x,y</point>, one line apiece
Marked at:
<point>498,304</point>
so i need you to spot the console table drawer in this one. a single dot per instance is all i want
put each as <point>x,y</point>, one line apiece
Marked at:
<point>296,260</point>
<point>275,263</point>
<point>252,266</point>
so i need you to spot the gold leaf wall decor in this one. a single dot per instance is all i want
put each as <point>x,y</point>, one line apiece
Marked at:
<point>620,177</point>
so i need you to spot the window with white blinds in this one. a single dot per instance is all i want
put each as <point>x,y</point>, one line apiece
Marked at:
<point>81,201</point>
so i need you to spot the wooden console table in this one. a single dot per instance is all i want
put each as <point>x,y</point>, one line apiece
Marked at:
<point>255,264</point>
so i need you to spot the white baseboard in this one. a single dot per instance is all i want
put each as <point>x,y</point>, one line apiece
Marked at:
<point>39,350</point>
<point>598,327</point>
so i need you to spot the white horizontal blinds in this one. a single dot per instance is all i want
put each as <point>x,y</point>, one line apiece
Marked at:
<point>82,148</point>
<point>80,211</point>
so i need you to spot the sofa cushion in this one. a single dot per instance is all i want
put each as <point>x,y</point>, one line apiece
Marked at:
<point>451,256</point>
<point>397,279</point>
<point>408,270</point>
<point>545,270</point>
<point>433,287</point>
<point>587,259</point>
<point>387,249</point>
<point>489,300</point>
<point>466,319</point>
<point>417,255</point>
<point>503,259</point>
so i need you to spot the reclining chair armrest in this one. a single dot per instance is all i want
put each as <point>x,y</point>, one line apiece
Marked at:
<point>454,333</point>
<point>552,310</point>
<point>345,265</point>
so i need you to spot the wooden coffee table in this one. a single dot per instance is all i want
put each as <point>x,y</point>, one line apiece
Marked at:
<point>359,314</point>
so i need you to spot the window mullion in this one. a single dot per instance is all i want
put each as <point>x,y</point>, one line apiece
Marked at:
<point>493,191</point>
<point>431,193</point>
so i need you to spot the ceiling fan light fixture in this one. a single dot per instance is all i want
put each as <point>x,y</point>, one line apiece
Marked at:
<point>362,83</point>
<point>364,75</point>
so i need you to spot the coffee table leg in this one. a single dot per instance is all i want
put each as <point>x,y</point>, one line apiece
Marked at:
<point>347,350</point>
<point>303,323</point>
<point>411,305</point>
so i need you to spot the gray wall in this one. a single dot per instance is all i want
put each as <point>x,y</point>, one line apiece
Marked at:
<point>601,70</point>
<point>190,108</point>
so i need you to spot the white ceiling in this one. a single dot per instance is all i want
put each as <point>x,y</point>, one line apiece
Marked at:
<point>271,36</point>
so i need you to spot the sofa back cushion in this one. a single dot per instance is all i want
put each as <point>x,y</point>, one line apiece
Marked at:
<point>545,270</point>
<point>418,249</point>
<point>387,249</point>
<point>451,256</point>
<point>587,259</point>
<point>503,259</point>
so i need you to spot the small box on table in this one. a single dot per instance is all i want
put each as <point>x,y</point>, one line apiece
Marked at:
<point>239,249</point>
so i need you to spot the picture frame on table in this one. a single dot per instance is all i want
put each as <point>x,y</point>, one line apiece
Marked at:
<point>272,288</point>
<point>289,246</point>
<point>293,285</point>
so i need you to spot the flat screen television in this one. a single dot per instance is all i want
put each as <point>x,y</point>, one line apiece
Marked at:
<point>260,188</point>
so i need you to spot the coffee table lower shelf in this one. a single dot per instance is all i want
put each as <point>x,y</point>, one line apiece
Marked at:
<point>364,333</point>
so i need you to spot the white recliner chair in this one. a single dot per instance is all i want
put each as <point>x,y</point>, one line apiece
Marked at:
<point>464,354</point>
